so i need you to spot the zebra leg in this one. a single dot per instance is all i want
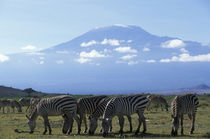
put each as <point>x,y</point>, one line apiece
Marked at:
<point>193,124</point>
<point>110,126</point>
<point>47,124</point>
<point>190,116</point>
<point>140,121</point>
<point>78,123</point>
<point>144,124</point>
<point>130,122</point>
<point>71,125</point>
<point>182,131</point>
<point>121,122</point>
<point>85,121</point>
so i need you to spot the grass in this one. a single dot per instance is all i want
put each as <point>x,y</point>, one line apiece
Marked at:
<point>158,125</point>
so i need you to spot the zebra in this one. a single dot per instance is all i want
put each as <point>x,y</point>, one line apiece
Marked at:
<point>13,104</point>
<point>10,103</point>
<point>124,105</point>
<point>32,103</point>
<point>157,101</point>
<point>54,106</point>
<point>24,102</point>
<point>4,103</point>
<point>87,105</point>
<point>183,104</point>
<point>93,118</point>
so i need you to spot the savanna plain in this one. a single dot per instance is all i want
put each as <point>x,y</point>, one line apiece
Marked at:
<point>158,125</point>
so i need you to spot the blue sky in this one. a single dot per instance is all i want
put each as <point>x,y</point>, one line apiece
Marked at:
<point>44,23</point>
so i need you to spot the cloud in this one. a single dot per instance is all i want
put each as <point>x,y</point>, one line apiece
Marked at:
<point>60,62</point>
<point>29,47</point>
<point>188,58</point>
<point>151,61</point>
<point>125,50</point>
<point>91,54</point>
<point>111,42</point>
<point>145,49</point>
<point>133,62</point>
<point>88,43</point>
<point>176,43</point>
<point>41,62</point>
<point>129,41</point>
<point>128,57</point>
<point>3,58</point>
<point>36,53</point>
<point>62,52</point>
<point>183,50</point>
<point>83,60</point>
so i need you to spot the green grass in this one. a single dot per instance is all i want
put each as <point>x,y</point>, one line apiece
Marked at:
<point>158,125</point>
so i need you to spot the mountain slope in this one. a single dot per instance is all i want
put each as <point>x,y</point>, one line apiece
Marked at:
<point>113,59</point>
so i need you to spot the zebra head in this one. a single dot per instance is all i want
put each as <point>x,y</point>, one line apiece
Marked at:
<point>106,122</point>
<point>66,124</point>
<point>175,125</point>
<point>31,124</point>
<point>93,124</point>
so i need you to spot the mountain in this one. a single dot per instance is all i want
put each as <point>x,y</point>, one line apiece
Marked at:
<point>199,89</point>
<point>112,59</point>
<point>13,92</point>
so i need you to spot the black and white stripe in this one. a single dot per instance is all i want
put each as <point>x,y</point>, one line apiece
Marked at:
<point>124,105</point>
<point>54,106</point>
<point>93,118</point>
<point>10,103</point>
<point>88,105</point>
<point>157,101</point>
<point>183,104</point>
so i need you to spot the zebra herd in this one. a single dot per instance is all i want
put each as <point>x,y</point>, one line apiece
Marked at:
<point>106,107</point>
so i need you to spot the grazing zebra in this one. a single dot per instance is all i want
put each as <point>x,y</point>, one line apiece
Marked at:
<point>3,104</point>
<point>13,104</point>
<point>24,102</point>
<point>124,105</point>
<point>87,105</point>
<point>93,118</point>
<point>183,104</point>
<point>32,103</point>
<point>54,106</point>
<point>10,103</point>
<point>157,101</point>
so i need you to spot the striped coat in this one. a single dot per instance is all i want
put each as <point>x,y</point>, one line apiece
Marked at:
<point>124,105</point>
<point>54,106</point>
<point>183,104</point>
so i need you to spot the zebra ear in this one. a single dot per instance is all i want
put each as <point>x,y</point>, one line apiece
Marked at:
<point>27,117</point>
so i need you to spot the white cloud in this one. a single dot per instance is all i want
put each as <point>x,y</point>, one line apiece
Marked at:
<point>125,50</point>
<point>83,60</point>
<point>151,61</point>
<point>121,25</point>
<point>60,62</point>
<point>91,54</point>
<point>128,57</point>
<point>132,62</point>
<point>3,58</point>
<point>145,49</point>
<point>176,43</point>
<point>111,42</point>
<point>129,41</point>
<point>29,47</point>
<point>188,58</point>
<point>84,44</point>
<point>41,62</point>
<point>62,52</point>
<point>183,50</point>
<point>36,53</point>
<point>41,58</point>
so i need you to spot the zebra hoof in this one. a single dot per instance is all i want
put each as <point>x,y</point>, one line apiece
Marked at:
<point>191,132</point>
